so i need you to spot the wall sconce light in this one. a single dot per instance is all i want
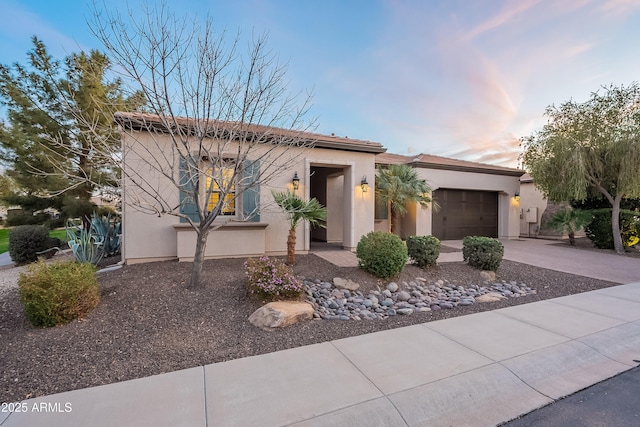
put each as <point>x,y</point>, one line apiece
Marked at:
<point>295,181</point>
<point>364,185</point>
<point>517,196</point>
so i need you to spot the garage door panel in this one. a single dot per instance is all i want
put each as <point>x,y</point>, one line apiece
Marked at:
<point>465,213</point>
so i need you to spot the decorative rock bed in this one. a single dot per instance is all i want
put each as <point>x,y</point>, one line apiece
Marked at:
<point>331,302</point>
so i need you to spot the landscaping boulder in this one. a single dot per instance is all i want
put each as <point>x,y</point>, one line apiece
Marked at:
<point>488,275</point>
<point>490,297</point>
<point>347,284</point>
<point>280,314</point>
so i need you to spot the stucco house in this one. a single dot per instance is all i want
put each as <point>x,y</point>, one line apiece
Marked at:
<point>339,172</point>
<point>474,199</point>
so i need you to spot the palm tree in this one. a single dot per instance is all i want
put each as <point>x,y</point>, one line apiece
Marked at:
<point>396,186</point>
<point>298,209</point>
<point>570,221</point>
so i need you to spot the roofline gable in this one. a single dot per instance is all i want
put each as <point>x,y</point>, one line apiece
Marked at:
<point>148,122</point>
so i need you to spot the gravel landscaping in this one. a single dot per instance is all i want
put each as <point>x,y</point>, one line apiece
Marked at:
<point>149,323</point>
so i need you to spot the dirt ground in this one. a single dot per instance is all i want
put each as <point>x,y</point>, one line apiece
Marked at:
<point>149,323</point>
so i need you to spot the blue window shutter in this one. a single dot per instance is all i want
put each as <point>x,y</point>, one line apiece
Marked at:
<point>187,203</point>
<point>251,196</point>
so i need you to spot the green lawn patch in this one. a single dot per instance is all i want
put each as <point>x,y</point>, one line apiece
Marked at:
<point>4,240</point>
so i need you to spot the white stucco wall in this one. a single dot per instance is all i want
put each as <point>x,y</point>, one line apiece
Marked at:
<point>505,185</point>
<point>532,202</point>
<point>154,237</point>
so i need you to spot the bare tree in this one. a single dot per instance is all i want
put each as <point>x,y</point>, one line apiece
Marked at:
<point>219,121</point>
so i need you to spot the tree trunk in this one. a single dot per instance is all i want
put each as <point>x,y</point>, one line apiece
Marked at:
<point>198,259</point>
<point>572,239</point>
<point>395,223</point>
<point>291,246</point>
<point>615,225</point>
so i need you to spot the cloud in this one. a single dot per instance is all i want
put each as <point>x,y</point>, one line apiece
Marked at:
<point>579,49</point>
<point>619,8</point>
<point>511,11</point>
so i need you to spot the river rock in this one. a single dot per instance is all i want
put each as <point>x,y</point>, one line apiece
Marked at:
<point>488,275</point>
<point>347,284</point>
<point>404,296</point>
<point>490,297</point>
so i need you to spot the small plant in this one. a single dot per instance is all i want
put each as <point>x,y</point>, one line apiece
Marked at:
<point>423,250</point>
<point>382,254</point>
<point>271,279</point>
<point>56,293</point>
<point>484,253</point>
<point>299,210</point>
<point>26,241</point>
<point>570,221</point>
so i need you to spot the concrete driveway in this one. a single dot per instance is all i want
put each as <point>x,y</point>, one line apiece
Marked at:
<point>548,254</point>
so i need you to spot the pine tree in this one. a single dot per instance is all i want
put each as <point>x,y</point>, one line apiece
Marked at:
<point>53,108</point>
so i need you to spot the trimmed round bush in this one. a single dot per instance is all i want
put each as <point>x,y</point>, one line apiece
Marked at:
<point>481,252</point>
<point>423,250</point>
<point>382,254</point>
<point>26,241</point>
<point>56,293</point>
<point>271,279</point>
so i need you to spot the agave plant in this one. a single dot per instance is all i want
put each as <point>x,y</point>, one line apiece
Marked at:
<point>86,245</point>
<point>101,239</point>
<point>108,231</point>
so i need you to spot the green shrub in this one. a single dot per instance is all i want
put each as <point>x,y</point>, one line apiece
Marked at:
<point>27,219</point>
<point>271,279</point>
<point>382,254</point>
<point>56,293</point>
<point>423,250</point>
<point>599,230</point>
<point>484,253</point>
<point>25,241</point>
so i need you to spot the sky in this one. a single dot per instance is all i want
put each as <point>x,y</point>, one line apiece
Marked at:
<point>463,79</point>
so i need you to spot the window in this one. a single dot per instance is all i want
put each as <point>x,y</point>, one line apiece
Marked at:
<point>245,207</point>
<point>217,180</point>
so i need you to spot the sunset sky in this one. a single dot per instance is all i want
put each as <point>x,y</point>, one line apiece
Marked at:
<point>463,79</point>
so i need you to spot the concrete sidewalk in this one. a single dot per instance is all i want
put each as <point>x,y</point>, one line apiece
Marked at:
<point>475,370</point>
<point>5,259</point>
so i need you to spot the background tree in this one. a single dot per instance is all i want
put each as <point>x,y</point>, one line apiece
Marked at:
<point>7,187</point>
<point>396,187</point>
<point>299,210</point>
<point>48,140</point>
<point>214,108</point>
<point>590,149</point>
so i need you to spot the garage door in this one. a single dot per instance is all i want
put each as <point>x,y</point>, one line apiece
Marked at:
<point>465,213</point>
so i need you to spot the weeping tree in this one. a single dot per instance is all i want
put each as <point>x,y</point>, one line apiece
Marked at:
<point>219,119</point>
<point>590,149</point>
<point>299,210</point>
<point>396,187</point>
